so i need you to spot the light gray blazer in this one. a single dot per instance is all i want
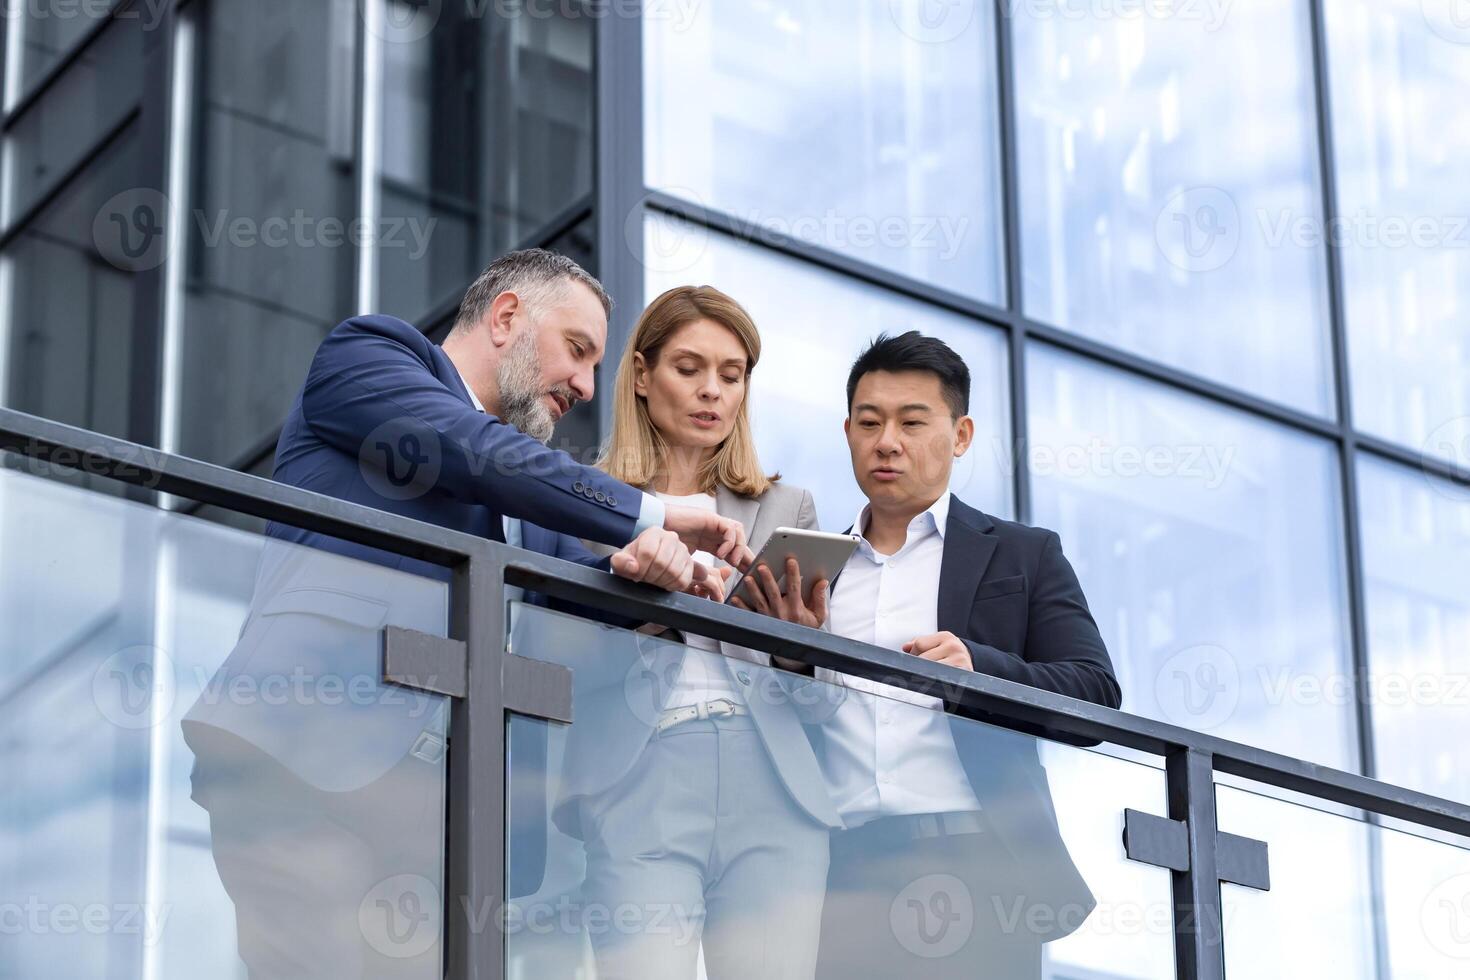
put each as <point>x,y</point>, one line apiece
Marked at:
<point>612,731</point>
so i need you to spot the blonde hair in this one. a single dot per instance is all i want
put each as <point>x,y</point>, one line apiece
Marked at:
<point>636,451</point>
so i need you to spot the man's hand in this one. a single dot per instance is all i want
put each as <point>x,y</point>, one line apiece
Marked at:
<point>704,530</point>
<point>944,648</point>
<point>759,592</point>
<point>659,558</point>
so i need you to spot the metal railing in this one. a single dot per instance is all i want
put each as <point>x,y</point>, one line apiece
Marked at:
<point>491,682</point>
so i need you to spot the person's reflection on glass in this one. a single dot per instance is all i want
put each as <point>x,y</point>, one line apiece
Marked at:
<point>689,778</point>
<point>325,787</point>
<point>951,863</point>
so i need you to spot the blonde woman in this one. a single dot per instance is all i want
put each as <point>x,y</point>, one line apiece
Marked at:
<point>701,803</point>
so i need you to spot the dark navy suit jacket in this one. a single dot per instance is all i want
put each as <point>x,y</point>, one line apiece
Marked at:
<point>384,420</point>
<point>1010,595</point>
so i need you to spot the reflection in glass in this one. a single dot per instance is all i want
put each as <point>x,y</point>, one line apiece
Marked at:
<point>74,115</point>
<point>40,35</point>
<point>813,325</point>
<point>1210,548</point>
<point>214,794</point>
<point>487,136</point>
<point>1416,534</point>
<point>1348,899</point>
<point>69,309</point>
<point>865,126</point>
<point>1401,126</point>
<point>270,261</point>
<point>1054,875</point>
<point>1170,200</point>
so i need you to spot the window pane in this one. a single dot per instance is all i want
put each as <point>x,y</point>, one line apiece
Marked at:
<point>72,117</point>
<point>487,136</point>
<point>1169,190</point>
<point>813,324</point>
<point>866,126</point>
<point>40,35</point>
<point>69,308</point>
<point>196,736</point>
<point>1401,123</point>
<point>1209,545</point>
<point>1318,861</point>
<point>270,261</point>
<point>1416,534</point>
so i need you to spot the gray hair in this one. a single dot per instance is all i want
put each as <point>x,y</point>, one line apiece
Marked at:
<point>537,276</point>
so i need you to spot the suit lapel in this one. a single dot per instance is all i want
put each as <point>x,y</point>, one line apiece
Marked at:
<point>967,553</point>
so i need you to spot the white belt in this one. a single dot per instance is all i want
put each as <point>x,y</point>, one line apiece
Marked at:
<point>718,708</point>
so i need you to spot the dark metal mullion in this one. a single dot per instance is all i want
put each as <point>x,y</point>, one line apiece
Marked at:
<point>1198,920</point>
<point>361,52</point>
<point>618,184</point>
<point>1395,453</point>
<point>1348,460</point>
<point>1015,297</point>
<point>150,297</point>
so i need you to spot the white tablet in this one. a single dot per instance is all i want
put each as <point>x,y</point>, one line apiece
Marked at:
<point>820,555</point>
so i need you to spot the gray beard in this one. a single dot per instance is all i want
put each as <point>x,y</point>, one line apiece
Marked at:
<point>519,380</point>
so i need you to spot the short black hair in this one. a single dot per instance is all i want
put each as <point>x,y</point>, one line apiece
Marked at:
<point>915,352</point>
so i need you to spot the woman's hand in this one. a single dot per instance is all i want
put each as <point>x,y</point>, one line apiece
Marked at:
<point>759,593</point>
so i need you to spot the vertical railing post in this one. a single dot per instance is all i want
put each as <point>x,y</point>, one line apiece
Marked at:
<point>1199,945</point>
<point>475,853</point>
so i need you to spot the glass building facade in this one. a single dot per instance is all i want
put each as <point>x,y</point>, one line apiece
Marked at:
<point>1208,262</point>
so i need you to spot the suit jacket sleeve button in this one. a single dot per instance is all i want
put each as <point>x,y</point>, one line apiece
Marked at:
<point>579,486</point>
<point>612,501</point>
<point>601,497</point>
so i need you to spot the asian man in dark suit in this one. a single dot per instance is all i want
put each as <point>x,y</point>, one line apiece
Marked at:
<point>331,785</point>
<point>951,863</point>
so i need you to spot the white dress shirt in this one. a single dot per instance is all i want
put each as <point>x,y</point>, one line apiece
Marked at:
<point>702,674</point>
<point>889,751</point>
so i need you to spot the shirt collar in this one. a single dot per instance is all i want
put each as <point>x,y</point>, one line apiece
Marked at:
<point>468,390</point>
<point>936,517</point>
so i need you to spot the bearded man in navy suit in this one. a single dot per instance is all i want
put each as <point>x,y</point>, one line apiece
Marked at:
<point>323,786</point>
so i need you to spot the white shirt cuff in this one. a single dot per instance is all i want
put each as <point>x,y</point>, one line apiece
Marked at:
<point>651,514</point>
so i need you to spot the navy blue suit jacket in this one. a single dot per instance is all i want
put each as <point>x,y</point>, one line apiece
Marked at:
<point>384,420</point>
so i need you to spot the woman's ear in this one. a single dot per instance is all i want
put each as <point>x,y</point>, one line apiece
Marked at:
<point>640,374</point>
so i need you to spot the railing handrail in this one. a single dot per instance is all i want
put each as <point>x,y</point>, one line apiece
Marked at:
<point>990,699</point>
